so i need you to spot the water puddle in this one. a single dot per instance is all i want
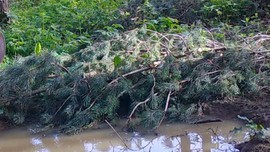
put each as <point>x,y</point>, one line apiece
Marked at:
<point>214,137</point>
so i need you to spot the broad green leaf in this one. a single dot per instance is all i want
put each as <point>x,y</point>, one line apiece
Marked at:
<point>38,49</point>
<point>145,55</point>
<point>118,26</point>
<point>117,61</point>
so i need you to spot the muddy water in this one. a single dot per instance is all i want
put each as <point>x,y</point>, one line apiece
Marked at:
<point>214,137</point>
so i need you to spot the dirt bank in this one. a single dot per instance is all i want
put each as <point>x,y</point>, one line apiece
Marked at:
<point>256,110</point>
<point>255,145</point>
<point>3,125</point>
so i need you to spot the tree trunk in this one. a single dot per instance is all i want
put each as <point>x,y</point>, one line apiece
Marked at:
<point>4,11</point>
<point>2,47</point>
<point>3,20</point>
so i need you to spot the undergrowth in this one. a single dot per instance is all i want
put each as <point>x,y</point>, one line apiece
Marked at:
<point>62,26</point>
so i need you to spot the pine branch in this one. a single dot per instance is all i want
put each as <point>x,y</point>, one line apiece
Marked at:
<point>33,93</point>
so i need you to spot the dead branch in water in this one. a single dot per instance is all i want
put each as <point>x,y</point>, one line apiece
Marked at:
<point>123,141</point>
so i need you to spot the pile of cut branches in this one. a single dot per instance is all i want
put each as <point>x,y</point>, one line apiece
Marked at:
<point>140,74</point>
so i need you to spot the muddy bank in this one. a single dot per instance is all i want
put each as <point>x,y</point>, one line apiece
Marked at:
<point>4,125</point>
<point>255,110</point>
<point>258,110</point>
<point>255,145</point>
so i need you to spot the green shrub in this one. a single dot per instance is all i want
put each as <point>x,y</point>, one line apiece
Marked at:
<point>61,25</point>
<point>227,10</point>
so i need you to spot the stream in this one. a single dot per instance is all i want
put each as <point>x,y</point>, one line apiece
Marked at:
<point>213,137</point>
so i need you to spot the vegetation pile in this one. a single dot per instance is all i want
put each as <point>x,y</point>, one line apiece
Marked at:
<point>142,74</point>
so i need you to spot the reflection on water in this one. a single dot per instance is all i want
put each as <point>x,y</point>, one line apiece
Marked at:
<point>37,143</point>
<point>195,142</point>
<point>173,137</point>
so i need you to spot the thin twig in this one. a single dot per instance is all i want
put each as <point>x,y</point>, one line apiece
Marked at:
<point>213,131</point>
<point>117,134</point>
<point>265,51</point>
<point>169,42</point>
<point>186,10</point>
<point>154,84</point>
<point>213,72</point>
<point>132,87</point>
<point>165,109</point>
<point>62,105</point>
<point>62,67</point>
<point>167,101</point>
<point>143,102</point>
